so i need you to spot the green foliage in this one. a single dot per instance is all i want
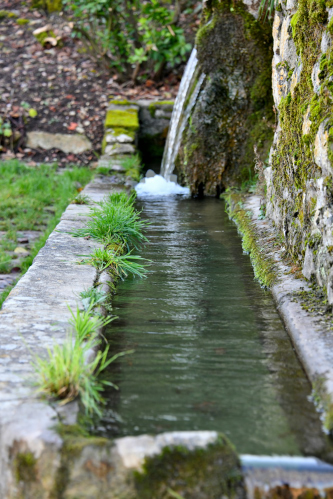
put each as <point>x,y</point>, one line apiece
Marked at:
<point>86,325</point>
<point>92,297</point>
<point>81,199</point>
<point>114,224</point>
<point>24,193</point>
<point>66,374</point>
<point>132,165</point>
<point>119,266</point>
<point>128,35</point>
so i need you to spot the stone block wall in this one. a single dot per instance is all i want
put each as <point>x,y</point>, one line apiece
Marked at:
<point>299,179</point>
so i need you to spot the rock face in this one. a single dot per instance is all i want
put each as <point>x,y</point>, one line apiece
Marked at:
<point>234,109</point>
<point>195,465</point>
<point>75,144</point>
<point>300,183</point>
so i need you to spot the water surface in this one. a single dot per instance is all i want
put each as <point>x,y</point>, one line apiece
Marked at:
<point>211,352</point>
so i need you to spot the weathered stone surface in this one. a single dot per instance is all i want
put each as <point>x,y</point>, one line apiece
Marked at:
<point>116,149</point>
<point>299,194</point>
<point>122,138</point>
<point>34,316</point>
<point>111,163</point>
<point>195,465</point>
<point>234,108</point>
<point>75,144</point>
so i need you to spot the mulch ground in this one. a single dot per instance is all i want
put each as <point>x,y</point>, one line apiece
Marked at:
<point>63,84</point>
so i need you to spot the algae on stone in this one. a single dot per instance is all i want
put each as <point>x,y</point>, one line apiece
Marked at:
<point>124,118</point>
<point>234,110</point>
<point>300,182</point>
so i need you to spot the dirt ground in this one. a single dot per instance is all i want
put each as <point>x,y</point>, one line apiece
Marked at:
<point>63,84</point>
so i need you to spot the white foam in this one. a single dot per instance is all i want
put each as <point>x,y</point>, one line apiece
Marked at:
<point>158,186</point>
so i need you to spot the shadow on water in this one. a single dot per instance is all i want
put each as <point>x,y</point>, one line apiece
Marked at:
<point>211,352</point>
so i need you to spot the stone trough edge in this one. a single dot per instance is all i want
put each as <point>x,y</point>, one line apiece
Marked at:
<point>312,341</point>
<point>33,317</point>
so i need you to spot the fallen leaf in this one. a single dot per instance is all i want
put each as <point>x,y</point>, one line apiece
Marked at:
<point>72,126</point>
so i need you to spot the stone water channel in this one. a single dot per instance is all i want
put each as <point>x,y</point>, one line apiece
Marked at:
<point>211,352</point>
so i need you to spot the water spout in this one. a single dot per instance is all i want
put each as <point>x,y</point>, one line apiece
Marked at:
<point>181,113</point>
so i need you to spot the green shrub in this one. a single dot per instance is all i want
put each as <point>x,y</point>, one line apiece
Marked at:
<point>127,34</point>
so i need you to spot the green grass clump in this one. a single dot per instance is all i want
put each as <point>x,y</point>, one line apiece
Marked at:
<point>65,374</point>
<point>92,297</point>
<point>85,324</point>
<point>119,266</point>
<point>115,221</point>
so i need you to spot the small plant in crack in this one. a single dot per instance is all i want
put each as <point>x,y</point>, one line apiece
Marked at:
<point>66,374</point>
<point>119,266</point>
<point>81,199</point>
<point>93,296</point>
<point>87,325</point>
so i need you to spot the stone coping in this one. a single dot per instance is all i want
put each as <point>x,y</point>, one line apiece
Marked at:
<point>312,341</point>
<point>34,317</point>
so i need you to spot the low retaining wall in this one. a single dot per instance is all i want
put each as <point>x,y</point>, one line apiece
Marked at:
<point>33,318</point>
<point>310,334</point>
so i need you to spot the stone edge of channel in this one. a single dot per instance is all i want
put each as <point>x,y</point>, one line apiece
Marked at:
<point>311,339</point>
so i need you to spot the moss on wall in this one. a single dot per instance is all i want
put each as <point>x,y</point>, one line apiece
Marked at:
<point>234,110</point>
<point>263,265</point>
<point>122,118</point>
<point>293,159</point>
<point>179,472</point>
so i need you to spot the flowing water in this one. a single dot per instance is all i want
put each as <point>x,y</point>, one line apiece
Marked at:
<point>211,352</point>
<point>181,113</point>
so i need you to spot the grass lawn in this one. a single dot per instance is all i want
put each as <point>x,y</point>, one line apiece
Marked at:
<point>32,198</point>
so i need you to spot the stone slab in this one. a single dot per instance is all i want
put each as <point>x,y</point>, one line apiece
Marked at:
<point>35,316</point>
<point>75,143</point>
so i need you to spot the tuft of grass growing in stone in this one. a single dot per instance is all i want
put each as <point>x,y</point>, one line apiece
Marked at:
<point>119,266</point>
<point>115,221</point>
<point>66,374</point>
<point>86,325</point>
<point>92,297</point>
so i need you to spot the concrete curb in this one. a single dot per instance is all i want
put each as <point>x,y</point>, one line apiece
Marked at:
<point>33,318</point>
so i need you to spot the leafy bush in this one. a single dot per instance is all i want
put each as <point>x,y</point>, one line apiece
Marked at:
<point>128,35</point>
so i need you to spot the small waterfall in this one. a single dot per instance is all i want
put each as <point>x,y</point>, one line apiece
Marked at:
<point>180,114</point>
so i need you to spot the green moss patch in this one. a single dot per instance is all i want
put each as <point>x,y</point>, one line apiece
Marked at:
<point>179,472</point>
<point>293,158</point>
<point>122,118</point>
<point>7,14</point>
<point>22,22</point>
<point>263,265</point>
<point>49,5</point>
<point>25,466</point>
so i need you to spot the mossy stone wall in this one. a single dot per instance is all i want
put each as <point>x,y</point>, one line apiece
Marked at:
<point>300,183</point>
<point>234,110</point>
